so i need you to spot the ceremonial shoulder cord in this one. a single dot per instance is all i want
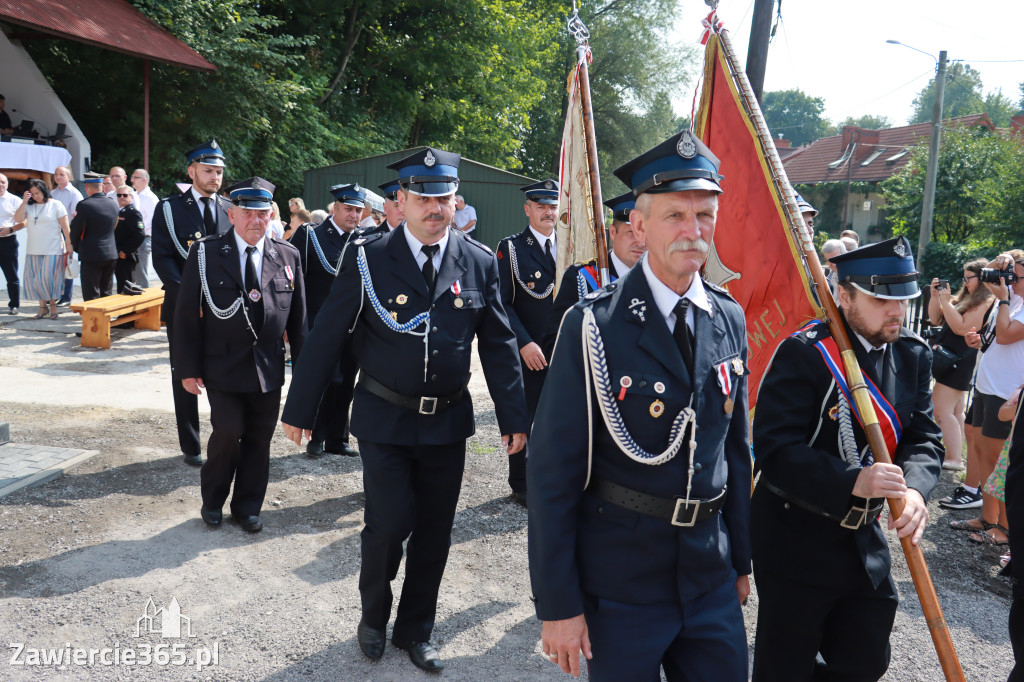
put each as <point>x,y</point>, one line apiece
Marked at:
<point>581,284</point>
<point>169,219</point>
<point>847,441</point>
<point>593,346</point>
<point>222,313</point>
<point>320,253</point>
<point>385,317</point>
<point>515,273</point>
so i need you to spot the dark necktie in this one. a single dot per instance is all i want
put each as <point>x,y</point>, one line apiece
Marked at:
<point>876,358</point>
<point>429,273</point>
<point>682,334</point>
<point>547,252</point>
<point>252,290</point>
<point>211,226</point>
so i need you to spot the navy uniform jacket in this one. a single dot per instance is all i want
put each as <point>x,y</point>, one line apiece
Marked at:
<point>348,323</point>
<point>527,315</point>
<point>579,544</point>
<point>187,217</point>
<point>318,280</point>
<point>130,231</point>
<point>796,442</point>
<point>223,352</point>
<point>568,296</point>
<point>92,228</point>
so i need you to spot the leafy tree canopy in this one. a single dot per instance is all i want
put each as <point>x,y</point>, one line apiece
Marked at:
<point>798,117</point>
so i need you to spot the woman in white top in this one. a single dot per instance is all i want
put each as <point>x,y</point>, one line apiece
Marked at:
<point>49,242</point>
<point>275,228</point>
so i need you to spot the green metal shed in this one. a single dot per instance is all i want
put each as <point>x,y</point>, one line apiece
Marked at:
<point>493,192</point>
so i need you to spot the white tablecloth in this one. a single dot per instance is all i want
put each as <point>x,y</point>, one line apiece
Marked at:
<point>42,158</point>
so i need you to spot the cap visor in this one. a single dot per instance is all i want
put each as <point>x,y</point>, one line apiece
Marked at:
<point>685,185</point>
<point>894,292</point>
<point>254,204</point>
<point>432,189</point>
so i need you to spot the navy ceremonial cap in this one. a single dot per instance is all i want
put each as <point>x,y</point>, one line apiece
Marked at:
<point>90,177</point>
<point>255,193</point>
<point>883,270</point>
<point>680,163</point>
<point>621,206</point>
<point>350,194</point>
<point>543,192</point>
<point>805,206</point>
<point>390,189</point>
<point>429,172</point>
<point>208,153</point>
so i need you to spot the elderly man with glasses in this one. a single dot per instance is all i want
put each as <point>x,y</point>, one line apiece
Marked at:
<point>129,235</point>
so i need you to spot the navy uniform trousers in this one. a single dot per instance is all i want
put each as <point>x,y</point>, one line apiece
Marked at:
<point>187,226</point>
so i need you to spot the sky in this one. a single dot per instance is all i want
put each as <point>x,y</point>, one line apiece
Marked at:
<point>836,49</point>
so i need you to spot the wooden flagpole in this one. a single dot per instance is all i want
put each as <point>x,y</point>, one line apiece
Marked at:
<point>915,557</point>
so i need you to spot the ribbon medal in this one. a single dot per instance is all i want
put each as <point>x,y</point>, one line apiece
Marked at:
<point>724,377</point>
<point>457,289</point>
<point>291,276</point>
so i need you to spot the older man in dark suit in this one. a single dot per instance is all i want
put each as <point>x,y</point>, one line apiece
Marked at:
<point>240,293</point>
<point>92,238</point>
<point>178,221</point>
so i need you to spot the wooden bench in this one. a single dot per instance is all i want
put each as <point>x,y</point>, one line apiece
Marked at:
<point>100,314</point>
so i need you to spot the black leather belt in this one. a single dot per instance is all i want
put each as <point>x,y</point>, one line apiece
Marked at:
<point>675,510</point>
<point>856,518</point>
<point>422,404</point>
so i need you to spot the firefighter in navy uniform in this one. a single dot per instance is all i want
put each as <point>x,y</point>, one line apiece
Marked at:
<point>640,466</point>
<point>240,293</point>
<point>321,248</point>
<point>527,270</point>
<point>821,559</point>
<point>178,221</point>
<point>580,279</point>
<point>392,213</point>
<point>408,304</point>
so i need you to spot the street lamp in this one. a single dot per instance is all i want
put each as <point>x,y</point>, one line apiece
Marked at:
<point>928,209</point>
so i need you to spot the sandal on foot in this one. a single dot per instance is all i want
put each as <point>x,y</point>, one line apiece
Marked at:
<point>969,524</point>
<point>43,312</point>
<point>987,539</point>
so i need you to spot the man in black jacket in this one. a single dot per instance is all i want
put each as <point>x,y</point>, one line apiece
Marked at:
<point>179,220</point>
<point>128,237</point>
<point>240,293</point>
<point>92,238</point>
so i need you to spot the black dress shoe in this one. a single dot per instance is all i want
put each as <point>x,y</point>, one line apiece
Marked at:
<point>251,524</point>
<point>519,497</point>
<point>315,448</point>
<point>212,517</point>
<point>371,641</point>
<point>341,449</point>
<point>194,460</point>
<point>422,654</point>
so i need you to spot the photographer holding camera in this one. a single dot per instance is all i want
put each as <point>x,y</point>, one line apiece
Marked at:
<point>1000,374</point>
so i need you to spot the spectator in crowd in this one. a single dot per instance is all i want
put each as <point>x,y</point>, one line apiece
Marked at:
<point>393,215</point>
<point>465,215</point>
<point>92,235</point>
<point>48,247</point>
<point>9,245</point>
<point>119,177</point>
<point>275,228</point>
<point>957,316</point>
<point>109,188</point>
<point>129,235</point>
<point>999,375</point>
<point>319,215</point>
<point>849,243</point>
<point>852,235</point>
<point>374,204</point>
<point>6,127</point>
<point>832,247</point>
<point>67,194</point>
<point>146,201</point>
<point>298,219</point>
<point>296,204</point>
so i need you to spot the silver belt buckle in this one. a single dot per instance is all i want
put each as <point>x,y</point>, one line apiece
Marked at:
<point>428,405</point>
<point>681,504</point>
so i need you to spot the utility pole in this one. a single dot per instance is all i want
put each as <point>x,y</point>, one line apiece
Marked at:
<point>757,48</point>
<point>928,208</point>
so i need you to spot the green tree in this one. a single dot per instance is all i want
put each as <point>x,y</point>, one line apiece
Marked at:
<point>999,108</point>
<point>867,121</point>
<point>795,115</point>
<point>962,95</point>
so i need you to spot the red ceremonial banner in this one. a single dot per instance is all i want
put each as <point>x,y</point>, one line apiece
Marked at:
<point>755,255</point>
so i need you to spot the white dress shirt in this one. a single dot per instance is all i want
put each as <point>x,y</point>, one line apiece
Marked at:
<point>147,201</point>
<point>257,257</point>
<point>416,246</point>
<point>541,239</point>
<point>665,299</point>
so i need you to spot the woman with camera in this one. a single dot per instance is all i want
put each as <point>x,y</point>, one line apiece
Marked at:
<point>49,243</point>
<point>952,360</point>
<point>1000,375</point>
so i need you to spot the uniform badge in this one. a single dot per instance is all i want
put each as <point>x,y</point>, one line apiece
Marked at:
<point>811,335</point>
<point>394,316</point>
<point>199,235</point>
<point>255,183</point>
<point>401,299</point>
<point>549,185</point>
<point>638,308</point>
<point>536,275</point>
<point>834,413</point>
<point>213,144</point>
<point>458,303</point>
<point>530,284</point>
<point>659,387</point>
<point>657,409</point>
<point>728,406</point>
<point>529,241</point>
<point>687,146</point>
<point>737,367</point>
<point>500,254</point>
<point>360,241</point>
<point>429,160</point>
<point>254,295</point>
<point>625,383</point>
<point>900,249</point>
